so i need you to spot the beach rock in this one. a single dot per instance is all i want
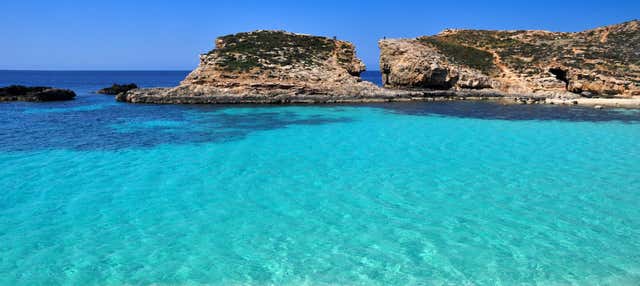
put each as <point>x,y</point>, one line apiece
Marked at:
<point>272,67</point>
<point>117,88</point>
<point>34,94</point>
<point>602,62</point>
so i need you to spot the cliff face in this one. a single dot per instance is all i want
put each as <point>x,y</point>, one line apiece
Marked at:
<point>271,55</point>
<point>270,67</point>
<point>603,61</point>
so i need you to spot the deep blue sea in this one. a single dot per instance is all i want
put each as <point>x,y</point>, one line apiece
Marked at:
<point>95,192</point>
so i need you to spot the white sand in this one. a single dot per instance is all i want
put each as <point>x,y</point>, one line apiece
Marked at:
<point>603,102</point>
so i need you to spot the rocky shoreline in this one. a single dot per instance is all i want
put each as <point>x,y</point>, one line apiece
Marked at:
<point>520,99</point>
<point>175,96</point>
<point>169,96</point>
<point>598,67</point>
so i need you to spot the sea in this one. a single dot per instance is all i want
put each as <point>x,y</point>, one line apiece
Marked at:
<point>97,192</point>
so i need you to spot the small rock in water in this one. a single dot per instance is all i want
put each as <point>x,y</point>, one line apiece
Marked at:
<point>117,88</point>
<point>598,107</point>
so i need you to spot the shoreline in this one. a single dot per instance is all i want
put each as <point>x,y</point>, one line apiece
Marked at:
<point>155,96</point>
<point>631,103</point>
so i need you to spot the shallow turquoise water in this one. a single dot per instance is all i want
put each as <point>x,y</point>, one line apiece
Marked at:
<point>401,194</point>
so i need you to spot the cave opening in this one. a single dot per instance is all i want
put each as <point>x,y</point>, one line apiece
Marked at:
<point>561,75</point>
<point>439,80</point>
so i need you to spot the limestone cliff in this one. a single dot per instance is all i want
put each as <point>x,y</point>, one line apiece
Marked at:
<point>599,62</point>
<point>271,67</point>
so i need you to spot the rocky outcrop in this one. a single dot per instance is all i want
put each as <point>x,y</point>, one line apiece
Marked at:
<point>603,62</point>
<point>409,63</point>
<point>34,94</point>
<point>117,88</point>
<point>272,67</point>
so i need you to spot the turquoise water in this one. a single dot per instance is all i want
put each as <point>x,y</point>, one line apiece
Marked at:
<point>100,193</point>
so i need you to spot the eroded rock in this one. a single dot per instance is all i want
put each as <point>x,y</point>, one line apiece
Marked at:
<point>603,62</point>
<point>272,67</point>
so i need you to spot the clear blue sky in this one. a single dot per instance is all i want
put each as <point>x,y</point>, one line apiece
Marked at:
<point>169,35</point>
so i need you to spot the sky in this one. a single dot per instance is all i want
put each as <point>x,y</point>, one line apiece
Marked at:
<point>169,35</point>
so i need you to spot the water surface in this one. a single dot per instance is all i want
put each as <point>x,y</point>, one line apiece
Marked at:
<point>94,192</point>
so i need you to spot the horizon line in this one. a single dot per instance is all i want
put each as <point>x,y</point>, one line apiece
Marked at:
<point>108,70</point>
<point>91,70</point>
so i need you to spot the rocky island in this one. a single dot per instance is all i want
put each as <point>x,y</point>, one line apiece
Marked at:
<point>35,93</point>
<point>599,66</point>
<point>272,67</point>
<point>117,88</point>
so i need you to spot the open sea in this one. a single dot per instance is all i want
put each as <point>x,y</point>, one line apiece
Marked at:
<point>95,192</point>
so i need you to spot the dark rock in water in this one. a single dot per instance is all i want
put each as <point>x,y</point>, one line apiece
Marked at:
<point>117,88</point>
<point>36,93</point>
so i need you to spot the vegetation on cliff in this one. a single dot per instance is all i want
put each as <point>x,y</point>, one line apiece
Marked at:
<point>272,67</point>
<point>601,62</point>
<point>613,50</point>
<point>245,61</point>
<point>268,49</point>
<point>461,54</point>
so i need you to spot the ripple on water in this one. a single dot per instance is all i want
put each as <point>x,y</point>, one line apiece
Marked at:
<point>399,194</point>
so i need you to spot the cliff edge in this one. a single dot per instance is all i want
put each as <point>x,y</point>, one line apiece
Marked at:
<point>603,62</point>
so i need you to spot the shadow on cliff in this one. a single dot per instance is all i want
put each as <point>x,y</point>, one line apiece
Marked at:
<point>496,111</point>
<point>140,126</point>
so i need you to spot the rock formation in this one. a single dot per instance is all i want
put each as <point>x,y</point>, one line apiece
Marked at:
<point>117,88</point>
<point>39,93</point>
<point>272,67</point>
<point>603,62</point>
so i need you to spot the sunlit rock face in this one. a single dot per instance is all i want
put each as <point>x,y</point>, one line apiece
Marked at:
<point>271,67</point>
<point>600,62</point>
